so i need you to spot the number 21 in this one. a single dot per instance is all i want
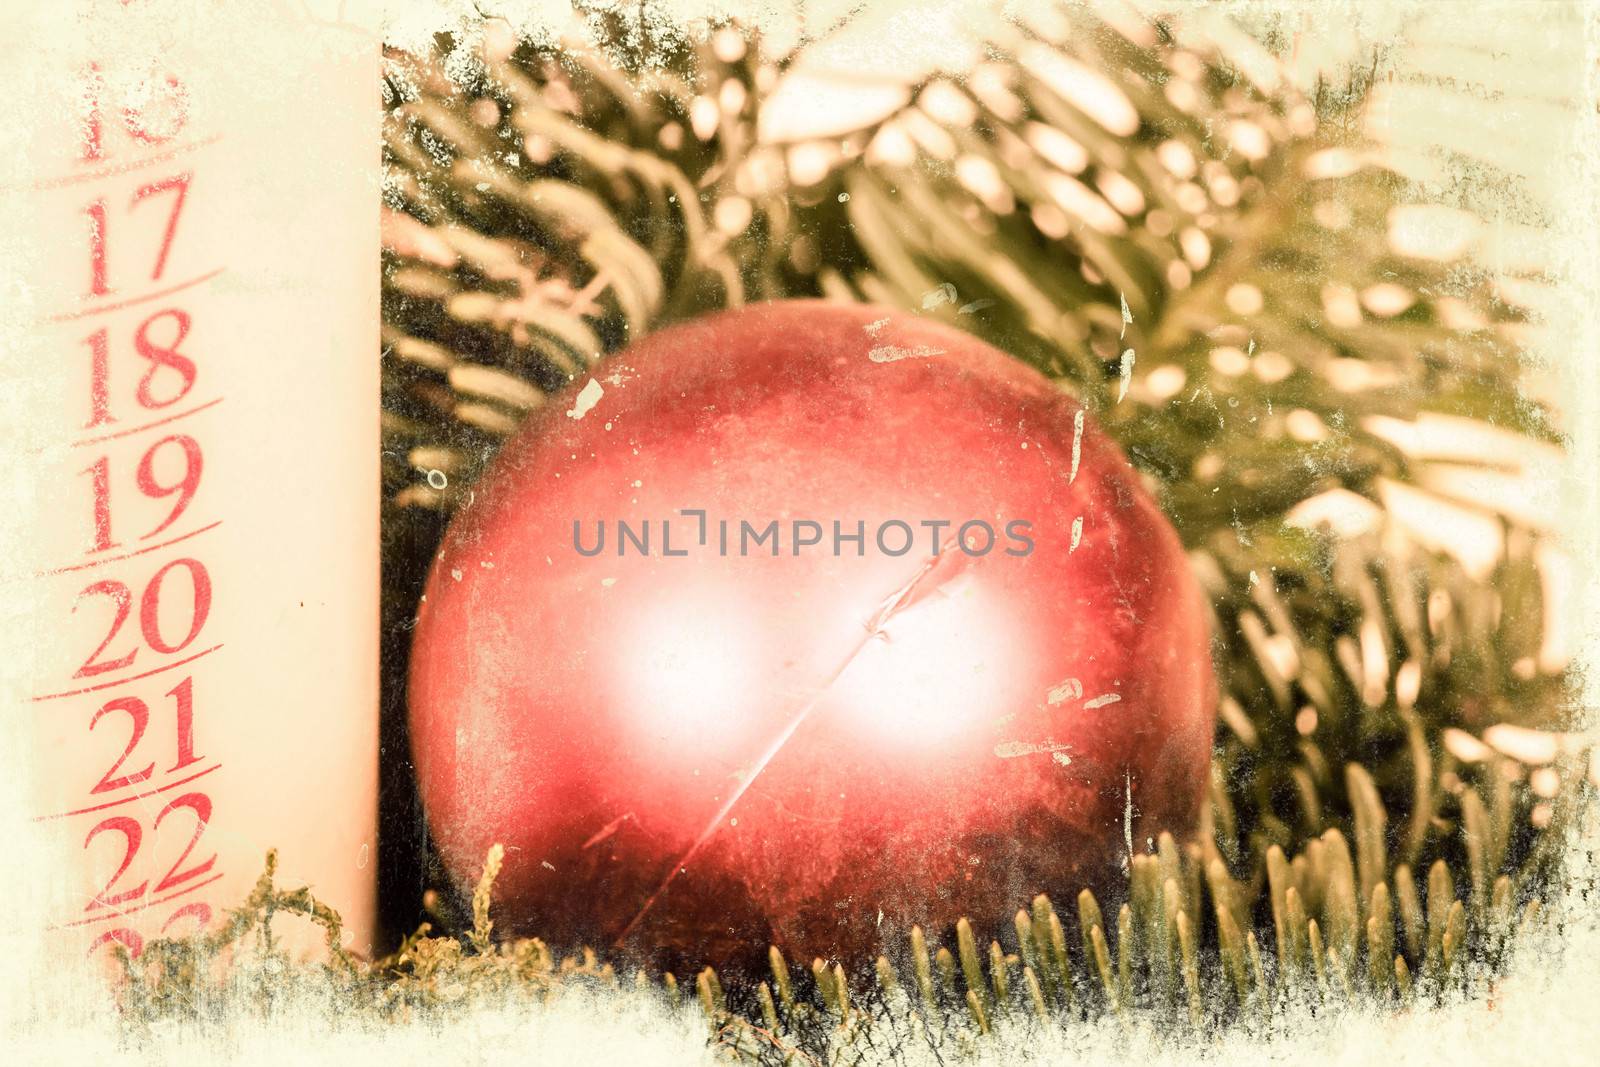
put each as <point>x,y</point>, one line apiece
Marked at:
<point>139,712</point>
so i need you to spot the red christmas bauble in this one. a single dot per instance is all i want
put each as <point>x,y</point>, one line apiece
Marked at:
<point>779,701</point>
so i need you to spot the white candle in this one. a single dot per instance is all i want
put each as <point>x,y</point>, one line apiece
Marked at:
<point>190,411</point>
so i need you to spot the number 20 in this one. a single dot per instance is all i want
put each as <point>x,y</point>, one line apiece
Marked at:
<point>149,615</point>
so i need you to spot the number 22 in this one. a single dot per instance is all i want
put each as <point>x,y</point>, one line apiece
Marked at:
<point>133,834</point>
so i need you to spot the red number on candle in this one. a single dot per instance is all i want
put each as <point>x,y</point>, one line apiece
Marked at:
<point>154,128</point>
<point>122,596</point>
<point>128,939</point>
<point>164,356</point>
<point>179,185</point>
<point>158,116</point>
<point>139,712</point>
<point>161,355</point>
<point>132,834</point>
<point>149,615</point>
<point>152,112</point>
<point>99,344</point>
<point>199,909</point>
<point>200,804</point>
<point>150,611</point>
<point>183,695</point>
<point>93,87</point>
<point>100,474</point>
<point>97,249</point>
<point>184,487</point>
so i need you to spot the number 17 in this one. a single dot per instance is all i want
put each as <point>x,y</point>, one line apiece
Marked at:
<point>178,185</point>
